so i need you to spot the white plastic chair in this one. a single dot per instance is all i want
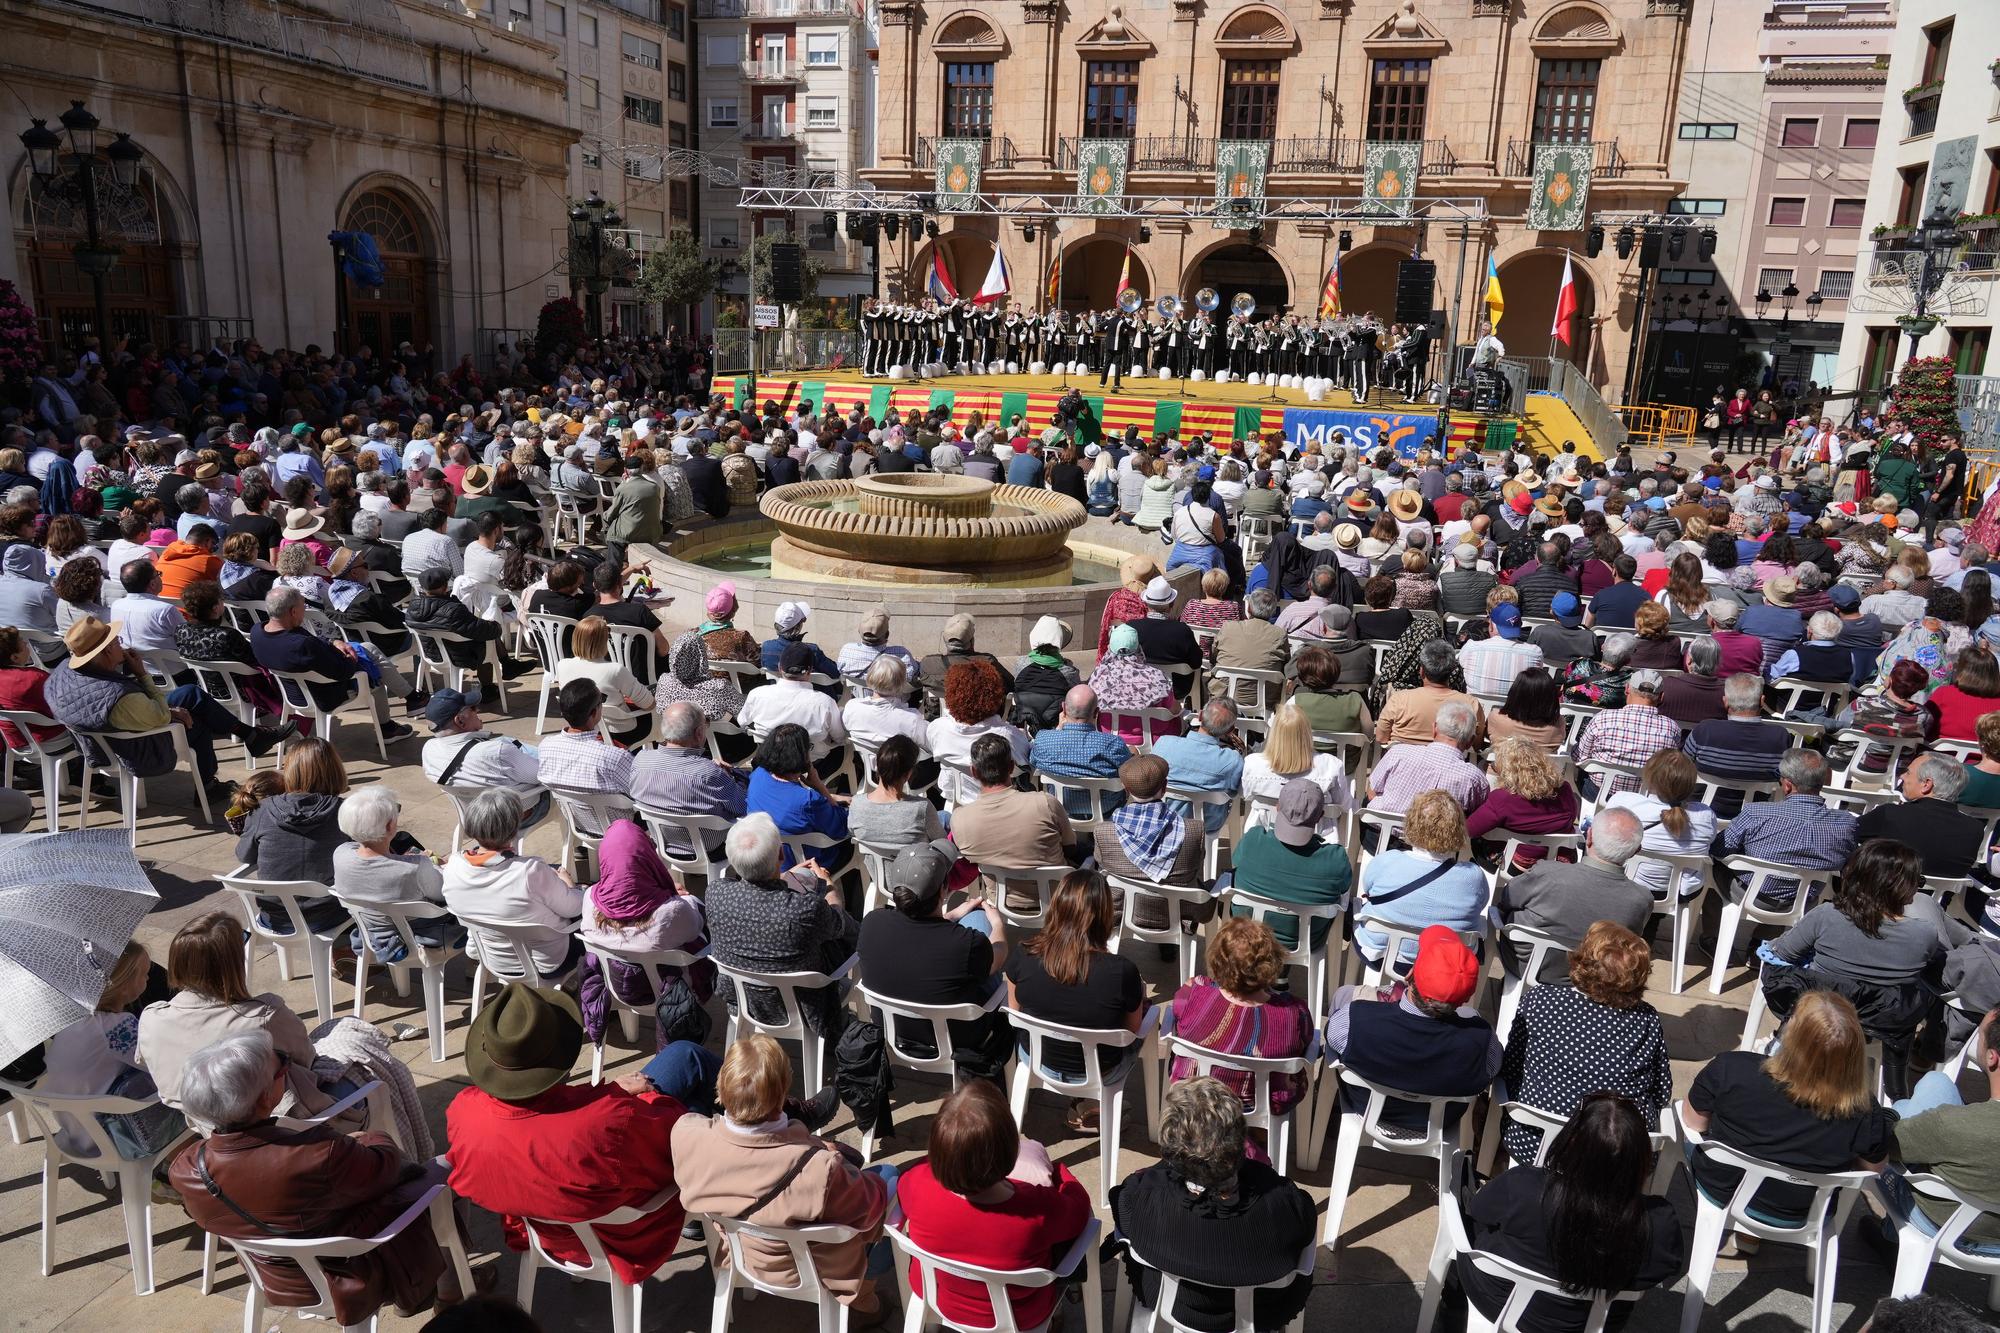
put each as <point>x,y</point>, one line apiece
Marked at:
<point>1710,787</point>
<point>1179,932</point>
<point>1917,1249</point>
<point>1254,690</point>
<point>1512,841</point>
<point>1831,696</point>
<point>586,814</point>
<point>698,832</point>
<point>53,756</point>
<point>1683,913</point>
<point>131,787</point>
<point>898,1016</point>
<point>1002,880</point>
<point>1160,1319</point>
<point>310,1256</point>
<point>1439,1139</point>
<point>1199,804</point>
<point>296,687</point>
<point>1318,961</point>
<point>434,661</point>
<point>1392,966</point>
<point>921,1312</point>
<point>548,634</point>
<point>639,648</point>
<point>462,796</point>
<point>1517,979</point>
<point>815,1051</point>
<point>1279,1126</point>
<point>1503,1108</point>
<point>1527,1285</point>
<point>220,679</point>
<point>1109,1093</point>
<point>648,961</point>
<point>1834,1193</point>
<point>735,1275</point>
<point>625,1297</point>
<point>134,1175</point>
<point>319,945</point>
<point>1100,795</point>
<point>505,953</point>
<point>1740,904</point>
<point>429,960</point>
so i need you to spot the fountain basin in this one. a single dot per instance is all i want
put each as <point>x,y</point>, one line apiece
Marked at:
<point>921,529</point>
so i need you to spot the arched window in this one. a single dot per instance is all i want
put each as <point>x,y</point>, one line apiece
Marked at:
<point>389,220</point>
<point>399,311</point>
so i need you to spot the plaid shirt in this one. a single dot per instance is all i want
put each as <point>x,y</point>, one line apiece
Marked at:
<point>570,759</point>
<point>1073,750</point>
<point>1490,664</point>
<point>1799,830</point>
<point>1629,735</point>
<point>1406,772</point>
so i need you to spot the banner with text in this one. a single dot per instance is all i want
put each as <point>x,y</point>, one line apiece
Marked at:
<point>1100,174</point>
<point>958,163</point>
<point>1561,192</point>
<point>1391,173</point>
<point>1240,168</point>
<point>1367,431</point>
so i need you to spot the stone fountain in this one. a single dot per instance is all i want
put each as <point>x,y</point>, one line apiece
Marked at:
<point>919,529</point>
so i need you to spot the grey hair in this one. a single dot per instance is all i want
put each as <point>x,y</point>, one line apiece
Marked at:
<point>1325,578</point>
<point>1457,722</point>
<point>1947,776</point>
<point>1743,693</point>
<point>681,724</point>
<point>1261,604</point>
<point>493,820</point>
<point>1218,717</point>
<point>1080,704</point>
<point>887,675</point>
<point>754,847</point>
<point>1435,659</point>
<point>1615,835</point>
<point>190,495</point>
<point>368,813</point>
<point>1806,770</point>
<point>1902,576</point>
<point>1704,655</point>
<point>282,599</point>
<point>222,1082</point>
<point>1618,649</point>
<point>1201,1133</point>
<point>1810,576</point>
<point>1823,625</point>
<point>367,525</point>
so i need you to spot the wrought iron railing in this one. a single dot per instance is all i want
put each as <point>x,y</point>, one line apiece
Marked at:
<point>776,9</point>
<point>1316,154</point>
<point>997,155</point>
<point>1606,163</point>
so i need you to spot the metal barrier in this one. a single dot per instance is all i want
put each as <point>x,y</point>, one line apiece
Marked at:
<point>1658,425</point>
<point>1570,384</point>
<point>786,351</point>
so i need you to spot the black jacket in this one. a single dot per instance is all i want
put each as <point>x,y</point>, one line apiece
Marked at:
<point>1948,839</point>
<point>453,616</point>
<point>711,489</point>
<point>1169,643</point>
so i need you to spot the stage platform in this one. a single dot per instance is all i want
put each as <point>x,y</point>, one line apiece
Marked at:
<point>1230,411</point>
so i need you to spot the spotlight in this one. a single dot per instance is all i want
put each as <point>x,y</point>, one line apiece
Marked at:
<point>1145,233</point>
<point>1028,231</point>
<point>1346,240</point>
<point>915,222</point>
<point>832,224</point>
<point>1676,242</point>
<point>891,224</point>
<point>1626,237</point>
<point>1704,245</point>
<point>1593,242</point>
<point>853,226</point>
<point>1255,235</point>
<point>931,228</point>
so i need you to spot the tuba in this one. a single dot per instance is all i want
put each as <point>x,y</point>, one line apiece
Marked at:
<point>1207,299</point>
<point>1170,307</point>
<point>1129,301</point>
<point>1244,304</point>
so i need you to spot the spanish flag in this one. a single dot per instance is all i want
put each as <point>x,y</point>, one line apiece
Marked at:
<point>1124,275</point>
<point>1329,295</point>
<point>1495,305</point>
<point>1054,293</point>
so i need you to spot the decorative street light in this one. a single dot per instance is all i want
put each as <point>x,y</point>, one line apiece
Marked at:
<point>593,262</point>
<point>1936,241</point>
<point>96,255</point>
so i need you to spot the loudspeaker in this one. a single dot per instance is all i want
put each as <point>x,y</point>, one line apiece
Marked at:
<point>1649,248</point>
<point>1437,325</point>
<point>787,281</point>
<point>1416,282</point>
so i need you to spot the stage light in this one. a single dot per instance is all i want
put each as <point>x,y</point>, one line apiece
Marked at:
<point>832,224</point>
<point>931,228</point>
<point>1676,241</point>
<point>1028,231</point>
<point>853,226</point>
<point>1145,233</point>
<point>1704,245</point>
<point>1593,242</point>
<point>1346,240</point>
<point>891,224</point>
<point>1626,237</point>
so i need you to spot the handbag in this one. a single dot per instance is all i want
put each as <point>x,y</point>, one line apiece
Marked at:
<point>1711,422</point>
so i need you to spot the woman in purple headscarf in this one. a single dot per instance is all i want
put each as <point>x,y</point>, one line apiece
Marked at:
<point>635,905</point>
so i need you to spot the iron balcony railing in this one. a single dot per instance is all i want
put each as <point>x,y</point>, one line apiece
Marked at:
<point>998,153</point>
<point>1318,155</point>
<point>771,71</point>
<point>1605,161</point>
<point>776,9</point>
<point>764,131</point>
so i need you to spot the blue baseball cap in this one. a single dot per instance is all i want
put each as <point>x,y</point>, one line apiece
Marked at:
<point>1565,607</point>
<point>445,704</point>
<point>1506,619</point>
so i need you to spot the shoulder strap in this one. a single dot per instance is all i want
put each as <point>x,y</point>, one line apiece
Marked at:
<point>458,760</point>
<point>215,1191</point>
<point>1401,890</point>
<point>783,1183</point>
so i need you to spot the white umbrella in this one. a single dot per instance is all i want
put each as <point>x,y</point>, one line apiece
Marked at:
<point>69,903</point>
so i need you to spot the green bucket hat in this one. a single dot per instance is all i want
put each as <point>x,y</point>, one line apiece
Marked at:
<point>523,1042</point>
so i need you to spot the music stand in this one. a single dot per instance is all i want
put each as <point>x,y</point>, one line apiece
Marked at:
<point>1275,396</point>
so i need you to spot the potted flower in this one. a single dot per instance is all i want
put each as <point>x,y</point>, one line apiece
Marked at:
<point>1923,92</point>
<point>1978,221</point>
<point>1885,231</point>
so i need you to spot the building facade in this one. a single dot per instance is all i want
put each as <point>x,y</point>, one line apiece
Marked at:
<point>433,128</point>
<point>1939,156</point>
<point>789,82</point>
<point>1475,84</point>
<point>1778,124</point>
<point>628,81</point>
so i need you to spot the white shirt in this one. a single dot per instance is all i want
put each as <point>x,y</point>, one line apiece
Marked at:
<point>517,890</point>
<point>495,761</point>
<point>123,553</point>
<point>149,622</point>
<point>771,706</point>
<point>952,740</point>
<point>1327,773</point>
<point>871,720</point>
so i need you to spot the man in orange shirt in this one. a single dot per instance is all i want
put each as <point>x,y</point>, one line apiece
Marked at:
<point>188,560</point>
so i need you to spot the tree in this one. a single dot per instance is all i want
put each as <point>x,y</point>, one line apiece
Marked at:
<point>559,327</point>
<point>20,339</point>
<point>676,274</point>
<point>810,268</point>
<point>1927,399</point>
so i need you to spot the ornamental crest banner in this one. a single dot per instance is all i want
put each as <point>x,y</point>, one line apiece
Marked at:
<point>1240,168</point>
<point>958,164</point>
<point>1100,174</point>
<point>1391,175</point>
<point>1560,196</point>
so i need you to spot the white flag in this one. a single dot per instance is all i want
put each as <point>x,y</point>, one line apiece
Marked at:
<point>995,286</point>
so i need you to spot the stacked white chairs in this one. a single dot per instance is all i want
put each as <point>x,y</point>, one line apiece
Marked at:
<point>1123,1049</point>
<point>318,945</point>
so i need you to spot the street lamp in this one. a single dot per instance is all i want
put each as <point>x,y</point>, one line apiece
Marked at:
<point>593,263</point>
<point>1936,240</point>
<point>95,256</point>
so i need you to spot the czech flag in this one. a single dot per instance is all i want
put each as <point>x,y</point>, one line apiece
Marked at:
<point>1565,305</point>
<point>941,286</point>
<point>1329,295</point>
<point>995,286</point>
<point>1495,305</point>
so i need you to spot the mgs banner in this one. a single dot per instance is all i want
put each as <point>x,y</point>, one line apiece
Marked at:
<point>1561,190</point>
<point>958,162</point>
<point>1368,431</point>
<point>1240,167</point>
<point>1100,173</point>
<point>1391,173</point>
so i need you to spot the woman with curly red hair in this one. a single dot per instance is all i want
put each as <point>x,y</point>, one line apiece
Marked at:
<point>975,700</point>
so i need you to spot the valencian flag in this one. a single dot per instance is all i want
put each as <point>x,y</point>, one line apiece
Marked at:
<point>941,285</point>
<point>1565,305</point>
<point>1054,293</point>
<point>1124,275</point>
<point>1329,295</point>
<point>1495,305</point>
<point>995,286</point>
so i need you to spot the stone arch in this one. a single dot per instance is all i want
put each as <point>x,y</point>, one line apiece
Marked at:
<point>404,308</point>
<point>1256,30</point>
<point>1531,279</point>
<point>1368,279</point>
<point>1233,265</point>
<point>967,255</point>
<point>969,33</point>
<point>1576,28</point>
<point>1090,268</point>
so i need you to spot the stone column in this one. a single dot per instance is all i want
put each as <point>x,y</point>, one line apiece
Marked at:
<point>895,125</point>
<point>1037,66</point>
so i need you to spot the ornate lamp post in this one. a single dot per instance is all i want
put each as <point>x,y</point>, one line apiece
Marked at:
<point>96,256</point>
<point>591,261</point>
<point>1936,240</point>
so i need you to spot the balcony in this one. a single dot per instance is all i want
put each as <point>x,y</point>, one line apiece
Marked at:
<point>1605,160</point>
<point>768,131</point>
<point>776,9</point>
<point>771,71</point>
<point>998,154</point>
<point>1298,155</point>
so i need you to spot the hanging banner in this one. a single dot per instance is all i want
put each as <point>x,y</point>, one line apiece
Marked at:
<point>1240,168</point>
<point>1391,172</point>
<point>1405,432</point>
<point>957,183</point>
<point>1561,192</point>
<point>1100,173</point>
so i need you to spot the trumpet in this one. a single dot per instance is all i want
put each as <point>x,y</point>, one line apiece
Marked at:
<point>1207,299</point>
<point>1170,307</point>
<point>1129,301</point>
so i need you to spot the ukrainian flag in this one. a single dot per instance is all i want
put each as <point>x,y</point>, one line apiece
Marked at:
<point>1495,304</point>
